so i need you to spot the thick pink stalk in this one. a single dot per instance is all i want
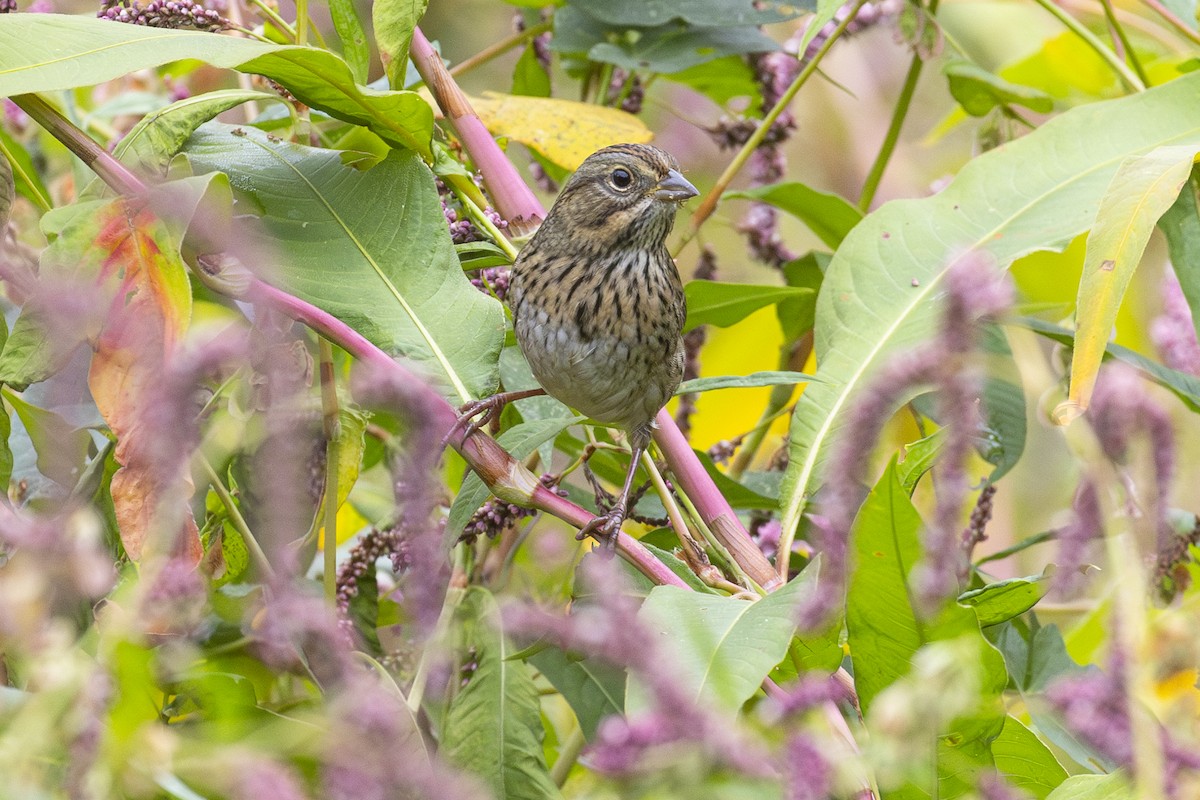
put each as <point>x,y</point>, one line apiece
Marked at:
<point>514,200</point>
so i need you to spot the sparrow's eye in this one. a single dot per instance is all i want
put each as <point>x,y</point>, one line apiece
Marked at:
<point>620,178</point>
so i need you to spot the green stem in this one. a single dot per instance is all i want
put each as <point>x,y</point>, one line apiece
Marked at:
<point>567,756</point>
<point>301,22</point>
<point>728,561</point>
<point>481,221</point>
<point>39,200</point>
<point>1119,31</point>
<point>499,48</point>
<point>668,501</point>
<point>235,516</point>
<point>1174,21</point>
<point>735,166</point>
<point>329,407</point>
<point>1130,80</point>
<point>279,22</point>
<point>892,137</point>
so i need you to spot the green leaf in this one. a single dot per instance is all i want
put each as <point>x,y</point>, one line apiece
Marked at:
<point>157,137</point>
<point>1025,762</point>
<point>669,48</point>
<point>1001,601</point>
<point>1181,225</point>
<point>720,80</point>
<point>363,609</point>
<point>356,50</point>
<point>520,441</point>
<point>1183,385</point>
<point>723,648</point>
<point>1003,436</point>
<point>529,76</point>
<point>979,91</point>
<point>1034,656</point>
<point>27,181</point>
<point>391,282</point>
<point>702,13</point>
<point>89,51</point>
<point>884,628</point>
<point>1141,191</point>
<point>881,290</point>
<point>8,191</point>
<point>1094,787</point>
<point>61,447</point>
<point>919,458</point>
<point>592,688</point>
<point>394,22</point>
<point>886,632</point>
<point>724,304</point>
<point>828,215</point>
<point>493,727</point>
<point>753,380</point>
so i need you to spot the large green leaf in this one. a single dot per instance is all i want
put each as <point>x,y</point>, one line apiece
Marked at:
<point>87,51</point>
<point>370,247</point>
<point>1181,225</point>
<point>667,48</point>
<point>394,22</point>
<point>829,216</point>
<point>493,728</point>
<point>150,144</point>
<point>723,648</point>
<point>881,290</point>
<point>885,631</point>
<point>704,13</point>
<point>1025,761</point>
<point>724,304</point>
<point>356,50</point>
<point>884,628</point>
<point>593,688</point>
<point>1094,787</point>
<point>1141,191</point>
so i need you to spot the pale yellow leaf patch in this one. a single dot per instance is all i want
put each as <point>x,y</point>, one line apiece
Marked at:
<point>562,131</point>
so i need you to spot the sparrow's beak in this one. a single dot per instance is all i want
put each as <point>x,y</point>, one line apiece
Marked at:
<point>674,188</point>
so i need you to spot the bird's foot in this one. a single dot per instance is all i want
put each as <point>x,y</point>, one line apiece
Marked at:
<point>479,413</point>
<point>605,528</point>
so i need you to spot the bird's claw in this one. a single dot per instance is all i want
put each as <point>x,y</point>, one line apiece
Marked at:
<point>605,529</point>
<point>486,410</point>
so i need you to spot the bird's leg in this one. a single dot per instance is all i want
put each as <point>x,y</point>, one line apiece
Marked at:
<point>606,527</point>
<point>489,407</point>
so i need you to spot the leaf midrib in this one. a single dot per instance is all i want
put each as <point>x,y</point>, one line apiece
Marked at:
<point>797,500</point>
<point>459,386</point>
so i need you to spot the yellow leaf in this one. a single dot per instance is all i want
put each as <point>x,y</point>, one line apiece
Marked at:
<point>1141,191</point>
<point>563,131</point>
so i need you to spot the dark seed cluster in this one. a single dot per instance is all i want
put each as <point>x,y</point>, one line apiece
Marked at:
<point>496,516</point>
<point>179,14</point>
<point>371,547</point>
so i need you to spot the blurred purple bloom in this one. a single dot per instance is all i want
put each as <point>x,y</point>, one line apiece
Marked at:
<point>1174,332</point>
<point>610,631</point>
<point>262,778</point>
<point>974,292</point>
<point>1121,406</point>
<point>809,775</point>
<point>1085,527</point>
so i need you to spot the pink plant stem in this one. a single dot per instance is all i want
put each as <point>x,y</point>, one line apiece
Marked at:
<point>515,201</point>
<point>513,198</point>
